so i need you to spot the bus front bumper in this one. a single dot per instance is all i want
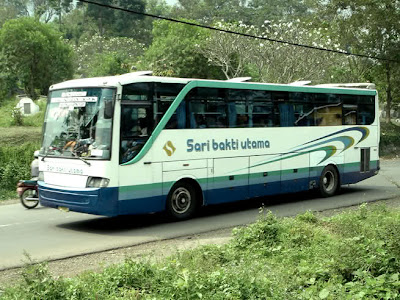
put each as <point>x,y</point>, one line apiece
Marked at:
<point>97,201</point>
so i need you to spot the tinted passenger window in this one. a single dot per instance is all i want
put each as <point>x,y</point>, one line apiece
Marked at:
<point>139,91</point>
<point>238,109</point>
<point>264,110</point>
<point>165,94</point>
<point>207,108</point>
<point>327,110</point>
<point>366,110</point>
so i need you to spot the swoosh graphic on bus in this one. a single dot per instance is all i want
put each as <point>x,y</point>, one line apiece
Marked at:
<point>364,131</point>
<point>347,141</point>
<point>330,150</point>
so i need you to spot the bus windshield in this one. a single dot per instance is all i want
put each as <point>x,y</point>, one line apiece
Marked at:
<point>78,123</point>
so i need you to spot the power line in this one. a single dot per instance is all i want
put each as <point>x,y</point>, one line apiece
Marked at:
<point>237,33</point>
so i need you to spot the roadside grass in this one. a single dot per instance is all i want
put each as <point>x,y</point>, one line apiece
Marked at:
<point>17,144</point>
<point>353,255</point>
<point>9,119</point>
<point>15,164</point>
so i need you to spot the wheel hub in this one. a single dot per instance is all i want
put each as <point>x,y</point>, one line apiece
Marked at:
<point>181,200</point>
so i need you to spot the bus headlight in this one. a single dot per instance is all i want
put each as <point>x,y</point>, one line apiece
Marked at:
<point>41,176</point>
<point>97,182</point>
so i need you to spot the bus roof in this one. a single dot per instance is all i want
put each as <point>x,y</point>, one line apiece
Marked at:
<point>145,76</point>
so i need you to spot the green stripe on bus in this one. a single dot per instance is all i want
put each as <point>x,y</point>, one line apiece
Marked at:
<point>220,179</point>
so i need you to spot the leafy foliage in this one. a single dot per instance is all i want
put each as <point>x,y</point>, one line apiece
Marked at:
<point>100,56</point>
<point>34,54</point>
<point>270,61</point>
<point>354,255</point>
<point>174,52</point>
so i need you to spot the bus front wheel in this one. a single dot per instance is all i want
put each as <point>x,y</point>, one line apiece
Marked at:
<point>182,201</point>
<point>329,181</point>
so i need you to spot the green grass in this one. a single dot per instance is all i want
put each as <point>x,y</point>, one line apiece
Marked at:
<point>7,119</point>
<point>354,255</point>
<point>17,144</point>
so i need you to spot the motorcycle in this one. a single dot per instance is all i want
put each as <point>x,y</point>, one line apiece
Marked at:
<point>27,191</point>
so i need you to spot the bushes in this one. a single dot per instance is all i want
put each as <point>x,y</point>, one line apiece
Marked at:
<point>390,140</point>
<point>15,164</point>
<point>353,255</point>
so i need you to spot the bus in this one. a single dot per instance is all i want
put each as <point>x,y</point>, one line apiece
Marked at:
<point>137,143</point>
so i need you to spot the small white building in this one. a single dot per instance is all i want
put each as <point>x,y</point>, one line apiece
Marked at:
<point>27,106</point>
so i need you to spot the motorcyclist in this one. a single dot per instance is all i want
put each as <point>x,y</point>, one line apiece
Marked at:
<point>35,166</point>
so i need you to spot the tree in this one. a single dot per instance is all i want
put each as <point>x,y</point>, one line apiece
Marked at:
<point>278,10</point>
<point>35,54</point>
<point>370,28</point>
<point>175,52</point>
<point>269,61</point>
<point>100,56</point>
<point>209,11</point>
<point>11,9</point>
<point>111,22</point>
<point>46,10</point>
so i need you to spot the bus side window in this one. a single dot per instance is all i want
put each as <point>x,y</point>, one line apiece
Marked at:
<point>196,114</point>
<point>350,109</point>
<point>207,108</point>
<point>286,113</point>
<point>164,95</point>
<point>139,91</point>
<point>239,112</point>
<point>366,110</point>
<point>328,110</point>
<point>262,109</point>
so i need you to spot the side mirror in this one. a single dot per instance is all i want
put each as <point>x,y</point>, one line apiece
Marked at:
<point>108,109</point>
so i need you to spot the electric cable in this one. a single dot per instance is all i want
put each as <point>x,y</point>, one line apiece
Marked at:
<point>238,33</point>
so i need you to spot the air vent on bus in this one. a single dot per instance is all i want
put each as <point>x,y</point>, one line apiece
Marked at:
<point>141,73</point>
<point>304,82</point>
<point>366,85</point>
<point>239,79</point>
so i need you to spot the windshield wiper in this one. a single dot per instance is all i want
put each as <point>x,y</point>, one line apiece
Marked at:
<point>82,159</point>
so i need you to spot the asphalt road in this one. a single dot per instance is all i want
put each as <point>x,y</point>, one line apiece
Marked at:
<point>47,234</point>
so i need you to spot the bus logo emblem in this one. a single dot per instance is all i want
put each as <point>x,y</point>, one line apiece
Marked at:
<point>169,148</point>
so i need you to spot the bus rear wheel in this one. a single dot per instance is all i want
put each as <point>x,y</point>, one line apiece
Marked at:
<point>329,181</point>
<point>182,201</point>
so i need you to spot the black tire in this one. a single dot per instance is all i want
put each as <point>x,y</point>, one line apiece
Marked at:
<point>182,201</point>
<point>329,182</point>
<point>28,198</point>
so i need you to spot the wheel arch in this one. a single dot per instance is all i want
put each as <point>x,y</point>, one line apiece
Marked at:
<point>193,182</point>
<point>338,171</point>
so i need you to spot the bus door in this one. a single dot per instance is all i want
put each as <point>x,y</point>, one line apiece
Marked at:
<point>230,180</point>
<point>265,175</point>
<point>295,172</point>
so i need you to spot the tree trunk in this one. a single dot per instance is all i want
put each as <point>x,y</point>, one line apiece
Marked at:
<point>388,93</point>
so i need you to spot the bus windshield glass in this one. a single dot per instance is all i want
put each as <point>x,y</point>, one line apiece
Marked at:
<point>78,123</point>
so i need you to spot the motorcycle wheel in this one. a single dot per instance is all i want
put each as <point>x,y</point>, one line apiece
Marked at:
<point>29,199</point>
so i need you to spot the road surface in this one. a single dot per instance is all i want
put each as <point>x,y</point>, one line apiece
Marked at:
<point>48,234</point>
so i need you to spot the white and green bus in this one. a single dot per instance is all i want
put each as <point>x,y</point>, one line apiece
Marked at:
<point>136,143</point>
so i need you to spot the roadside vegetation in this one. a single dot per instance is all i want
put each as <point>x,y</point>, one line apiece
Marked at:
<point>390,140</point>
<point>353,255</point>
<point>19,137</point>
